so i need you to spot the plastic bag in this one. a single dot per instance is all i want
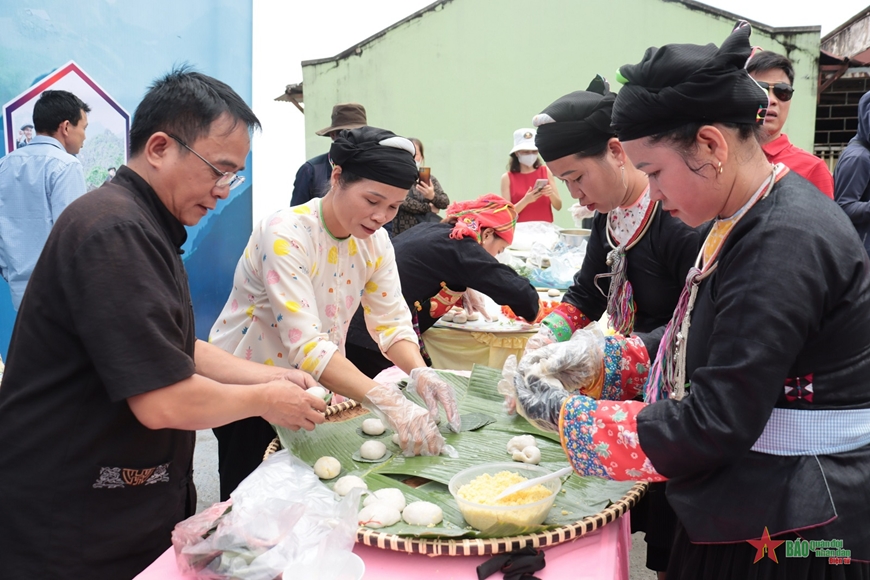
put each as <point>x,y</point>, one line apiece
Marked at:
<point>506,386</point>
<point>281,516</point>
<point>527,234</point>
<point>562,263</point>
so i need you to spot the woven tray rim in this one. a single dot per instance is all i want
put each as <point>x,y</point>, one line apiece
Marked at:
<point>487,546</point>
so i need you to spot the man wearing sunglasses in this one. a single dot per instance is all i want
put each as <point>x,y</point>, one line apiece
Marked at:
<point>105,382</point>
<point>775,74</point>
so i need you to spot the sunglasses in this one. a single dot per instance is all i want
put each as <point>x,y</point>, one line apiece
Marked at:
<point>782,91</point>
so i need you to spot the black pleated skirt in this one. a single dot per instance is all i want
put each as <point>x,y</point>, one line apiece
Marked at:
<point>737,562</point>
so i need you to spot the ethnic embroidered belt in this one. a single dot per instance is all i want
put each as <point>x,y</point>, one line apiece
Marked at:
<point>816,432</point>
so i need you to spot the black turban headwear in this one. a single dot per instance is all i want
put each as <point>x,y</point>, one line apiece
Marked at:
<point>679,84</point>
<point>575,123</point>
<point>375,154</point>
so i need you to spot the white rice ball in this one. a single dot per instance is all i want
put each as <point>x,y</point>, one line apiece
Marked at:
<point>422,513</point>
<point>347,483</point>
<point>318,392</point>
<point>388,495</point>
<point>378,515</point>
<point>372,450</point>
<point>373,427</point>
<point>530,454</point>
<point>520,442</point>
<point>327,467</point>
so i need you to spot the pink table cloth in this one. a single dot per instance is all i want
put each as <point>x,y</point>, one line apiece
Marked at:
<point>602,555</point>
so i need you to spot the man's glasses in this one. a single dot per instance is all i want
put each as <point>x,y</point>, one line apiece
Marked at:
<point>225,178</point>
<point>782,91</point>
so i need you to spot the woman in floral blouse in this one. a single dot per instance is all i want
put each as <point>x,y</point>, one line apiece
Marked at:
<point>303,274</point>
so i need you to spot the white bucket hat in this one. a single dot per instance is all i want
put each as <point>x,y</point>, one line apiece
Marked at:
<point>524,140</point>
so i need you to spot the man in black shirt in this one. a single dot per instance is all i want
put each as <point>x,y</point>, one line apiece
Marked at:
<point>105,381</point>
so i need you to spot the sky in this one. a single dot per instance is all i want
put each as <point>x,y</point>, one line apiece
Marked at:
<point>286,32</point>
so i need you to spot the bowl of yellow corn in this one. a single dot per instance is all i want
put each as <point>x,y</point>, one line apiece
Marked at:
<point>475,489</point>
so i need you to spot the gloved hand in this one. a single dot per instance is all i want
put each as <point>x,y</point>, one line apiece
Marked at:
<point>602,367</point>
<point>540,400</point>
<point>543,337</point>
<point>473,301</point>
<point>576,364</point>
<point>434,390</point>
<point>418,433</point>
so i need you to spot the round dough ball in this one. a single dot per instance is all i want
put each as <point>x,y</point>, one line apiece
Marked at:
<point>318,392</point>
<point>372,450</point>
<point>473,317</point>
<point>422,513</point>
<point>395,438</point>
<point>373,427</point>
<point>553,292</point>
<point>530,454</point>
<point>347,483</point>
<point>460,318</point>
<point>520,442</point>
<point>327,467</point>
<point>378,515</point>
<point>389,495</point>
<point>447,317</point>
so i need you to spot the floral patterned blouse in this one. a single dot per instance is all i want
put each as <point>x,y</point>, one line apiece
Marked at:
<point>296,288</point>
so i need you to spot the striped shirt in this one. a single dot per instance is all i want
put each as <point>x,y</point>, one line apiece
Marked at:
<point>36,183</point>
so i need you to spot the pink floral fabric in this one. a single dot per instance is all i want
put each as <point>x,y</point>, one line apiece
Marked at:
<point>600,439</point>
<point>626,367</point>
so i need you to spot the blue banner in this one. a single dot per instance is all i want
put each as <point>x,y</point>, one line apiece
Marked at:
<point>112,51</point>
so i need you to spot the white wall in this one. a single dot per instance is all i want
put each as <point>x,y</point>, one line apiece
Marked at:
<point>286,32</point>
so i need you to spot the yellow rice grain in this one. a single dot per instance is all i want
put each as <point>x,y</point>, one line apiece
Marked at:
<point>484,488</point>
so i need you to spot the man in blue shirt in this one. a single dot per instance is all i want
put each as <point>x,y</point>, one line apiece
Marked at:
<point>37,182</point>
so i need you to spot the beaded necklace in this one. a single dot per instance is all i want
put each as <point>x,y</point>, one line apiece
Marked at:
<point>667,377</point>
<point>621,307</point>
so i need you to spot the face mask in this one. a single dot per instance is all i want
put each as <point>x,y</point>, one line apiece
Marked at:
<point>419,165</point>
<point>528,159</point>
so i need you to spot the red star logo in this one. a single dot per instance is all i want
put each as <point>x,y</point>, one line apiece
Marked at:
<point>766,544</point>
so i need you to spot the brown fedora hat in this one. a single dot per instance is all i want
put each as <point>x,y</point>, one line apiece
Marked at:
<point>346,116</point>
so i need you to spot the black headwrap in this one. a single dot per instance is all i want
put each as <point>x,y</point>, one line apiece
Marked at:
<point>577,122</point>
<point>679,84</point>
<point>375,154</point>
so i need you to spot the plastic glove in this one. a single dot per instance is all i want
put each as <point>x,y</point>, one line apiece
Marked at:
<point>543,337</point>
<point>473,301</point>
<point>506,387</point>
<point>418,433</point>
<point>602,367</point>
<point>434,390</point>
<point>540,401</point>
<point>579,213</point>
<point>577,364</point>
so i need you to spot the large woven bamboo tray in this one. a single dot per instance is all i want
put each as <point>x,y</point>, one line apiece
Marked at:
<point>443,546</point>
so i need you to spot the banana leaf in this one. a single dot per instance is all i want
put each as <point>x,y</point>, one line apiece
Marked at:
<point>580,496</point>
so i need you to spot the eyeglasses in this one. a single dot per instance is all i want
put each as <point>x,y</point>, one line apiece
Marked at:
<point>782,91</point>
<point>225,178</point>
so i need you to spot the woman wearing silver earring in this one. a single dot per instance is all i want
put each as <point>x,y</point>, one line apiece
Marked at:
<point>636,262</point>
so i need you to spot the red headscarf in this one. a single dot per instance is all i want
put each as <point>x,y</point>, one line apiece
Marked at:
<point>487,211</point>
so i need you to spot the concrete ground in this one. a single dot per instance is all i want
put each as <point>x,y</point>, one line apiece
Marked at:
<point>205,475</point>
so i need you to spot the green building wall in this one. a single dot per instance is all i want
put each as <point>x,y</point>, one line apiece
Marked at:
<point>462,75</point>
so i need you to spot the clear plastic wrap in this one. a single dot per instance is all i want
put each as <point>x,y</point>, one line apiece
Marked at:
<point>528,233</point>
<point>577,365</point>
<point>280,517</point>
<point>418,433</point>
<point>434,390</point>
